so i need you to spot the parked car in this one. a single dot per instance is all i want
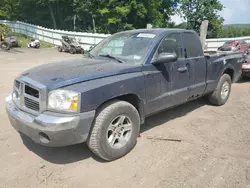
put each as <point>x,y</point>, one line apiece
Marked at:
<point>236,45</point>
<point>104,98</point>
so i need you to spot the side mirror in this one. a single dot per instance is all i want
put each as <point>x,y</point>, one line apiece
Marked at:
<point>165,58</point>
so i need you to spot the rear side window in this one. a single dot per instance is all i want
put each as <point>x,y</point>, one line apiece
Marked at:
<point>192,45</point>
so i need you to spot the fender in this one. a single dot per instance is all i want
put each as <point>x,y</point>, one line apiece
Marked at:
<point>96,92</point>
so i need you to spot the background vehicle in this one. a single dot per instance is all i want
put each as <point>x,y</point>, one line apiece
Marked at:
<point>12,40</point>
<point>34,43</point>
<point>235,45</point>
<point>70,45</point>
<point>246,68</point>
<point>104,98</point>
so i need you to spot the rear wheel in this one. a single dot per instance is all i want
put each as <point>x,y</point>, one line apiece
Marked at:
<point>222,92</point>
<point>115,130</point>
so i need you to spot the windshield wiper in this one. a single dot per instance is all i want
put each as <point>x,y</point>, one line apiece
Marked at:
<point>112,57</point>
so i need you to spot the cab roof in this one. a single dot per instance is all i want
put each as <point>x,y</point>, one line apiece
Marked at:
<point>156,30</point>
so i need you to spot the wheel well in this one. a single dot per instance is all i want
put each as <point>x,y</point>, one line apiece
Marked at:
<point>132,99</point>
<point>230,72</point>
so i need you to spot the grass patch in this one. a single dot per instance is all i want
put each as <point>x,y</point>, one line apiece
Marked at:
<point>23,39</point>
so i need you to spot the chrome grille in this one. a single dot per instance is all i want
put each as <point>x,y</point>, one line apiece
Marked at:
<point>28,90</point>
<point>29,95</point>
<point>31,104</point>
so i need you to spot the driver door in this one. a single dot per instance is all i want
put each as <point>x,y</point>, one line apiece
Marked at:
<point>167,83</point>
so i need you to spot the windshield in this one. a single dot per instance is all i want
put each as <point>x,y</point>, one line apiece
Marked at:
<point>228,42</point>
<point>127,47</point>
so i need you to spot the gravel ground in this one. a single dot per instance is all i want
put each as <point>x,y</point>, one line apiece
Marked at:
<point>214,150</point>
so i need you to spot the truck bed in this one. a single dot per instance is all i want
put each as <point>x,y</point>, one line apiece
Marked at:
<point>216,60</point>
<point>218,53</point>
<point>215,55</point>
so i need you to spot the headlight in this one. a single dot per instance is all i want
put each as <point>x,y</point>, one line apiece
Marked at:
<point>64,100</point>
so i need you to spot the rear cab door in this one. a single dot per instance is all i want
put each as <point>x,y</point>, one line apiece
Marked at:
<point>197,63</point>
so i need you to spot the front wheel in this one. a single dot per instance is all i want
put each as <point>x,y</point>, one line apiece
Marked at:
<point>59,48</point>
<point>72,50</point>
<point>115,130</point>
<point>222,92</point>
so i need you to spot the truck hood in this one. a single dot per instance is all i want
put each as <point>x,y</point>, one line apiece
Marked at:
<point>64,73</point>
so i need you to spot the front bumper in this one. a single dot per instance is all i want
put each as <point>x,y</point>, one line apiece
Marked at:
<point>50,129</point>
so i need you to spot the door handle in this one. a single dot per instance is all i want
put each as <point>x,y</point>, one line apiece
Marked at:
<point>182,69</point>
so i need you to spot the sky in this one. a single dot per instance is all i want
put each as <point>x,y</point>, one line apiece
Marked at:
<point>234,12</point>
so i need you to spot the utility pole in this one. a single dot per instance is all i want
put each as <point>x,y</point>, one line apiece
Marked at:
<point>149,26</point>
<point>75,22</point>
<point>75,2</point>
<point>93,22</point>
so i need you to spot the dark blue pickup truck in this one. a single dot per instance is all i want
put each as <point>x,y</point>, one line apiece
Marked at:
<point>104,98</point>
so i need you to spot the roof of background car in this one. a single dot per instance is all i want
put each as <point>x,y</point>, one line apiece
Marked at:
<point>154,30</point>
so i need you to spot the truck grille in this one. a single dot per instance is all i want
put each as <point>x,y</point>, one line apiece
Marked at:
<point>31,91</point>
<point>31,104</point>
<point>28,96</point>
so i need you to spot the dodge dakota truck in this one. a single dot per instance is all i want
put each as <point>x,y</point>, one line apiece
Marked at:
<point>104,98</point>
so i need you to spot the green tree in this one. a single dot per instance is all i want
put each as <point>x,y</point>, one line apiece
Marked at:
<point>230,32</point>
<point>106,16</point>
<point>195,11</point>
<point>115,15</point>
<point>10,10</point>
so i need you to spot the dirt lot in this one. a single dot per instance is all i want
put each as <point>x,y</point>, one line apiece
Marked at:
<point>214,151</point>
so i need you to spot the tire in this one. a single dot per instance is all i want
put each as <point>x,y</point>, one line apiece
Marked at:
<point>98,138</point>
<point>5,45</point>
<point>82,51</point>
<point>217,98</point>
<point>72,50</point>
<point>59,48</point>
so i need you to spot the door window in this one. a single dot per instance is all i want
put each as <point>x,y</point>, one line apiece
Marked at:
<point>171,44</point>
